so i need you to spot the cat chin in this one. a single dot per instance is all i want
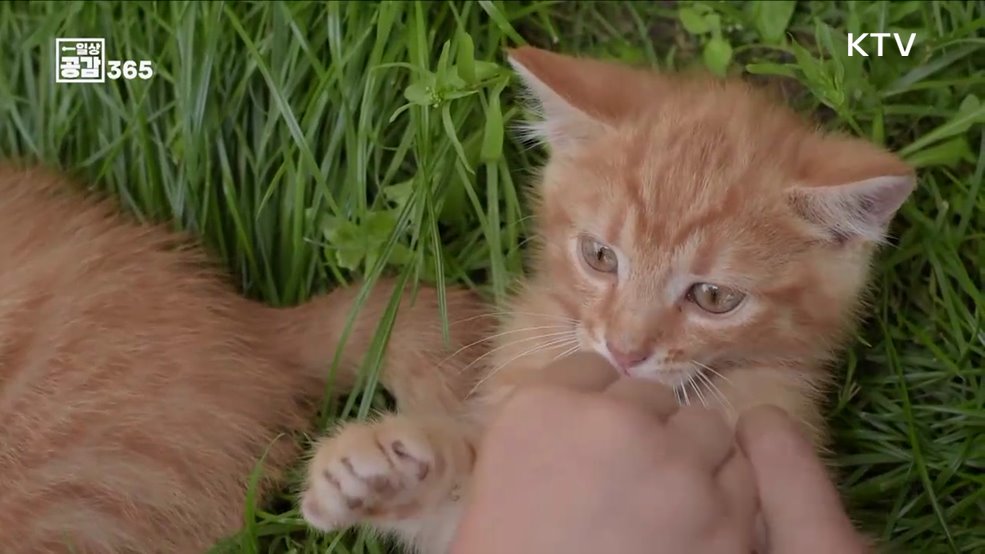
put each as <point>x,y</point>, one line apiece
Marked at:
<point>671,375</point>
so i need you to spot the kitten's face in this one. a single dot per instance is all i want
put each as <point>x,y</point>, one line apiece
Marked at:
<point>667,269</point>
<point>689,227</point>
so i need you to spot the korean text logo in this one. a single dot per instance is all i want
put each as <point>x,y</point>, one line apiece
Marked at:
<point>83,60</point>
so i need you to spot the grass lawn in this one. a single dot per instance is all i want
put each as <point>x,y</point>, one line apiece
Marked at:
<point>306,141</point>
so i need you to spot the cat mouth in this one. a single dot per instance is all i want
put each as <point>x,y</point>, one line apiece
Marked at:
<point>673,374</point>
<point>674,377</point>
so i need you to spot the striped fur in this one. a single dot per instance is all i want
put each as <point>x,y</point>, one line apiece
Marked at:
<point>138,389</point>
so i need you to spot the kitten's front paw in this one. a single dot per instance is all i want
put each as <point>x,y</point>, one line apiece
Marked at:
<point>383,470</point>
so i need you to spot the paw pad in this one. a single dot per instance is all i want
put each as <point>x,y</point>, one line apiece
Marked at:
<point>361,478</point>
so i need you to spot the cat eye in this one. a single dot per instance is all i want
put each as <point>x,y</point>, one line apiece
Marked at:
<point>598,256</point>
<point>715,299</point>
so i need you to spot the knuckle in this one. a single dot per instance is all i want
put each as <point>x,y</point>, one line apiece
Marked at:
<point>777,441</point>
<point>622,420</point>
<point>694,490</point>
<point>535,398</point>
<point>535,408</point>
<point>703,418</point>
<point>768,432</point>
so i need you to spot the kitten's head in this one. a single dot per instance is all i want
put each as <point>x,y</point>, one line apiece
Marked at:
<point>689,222</point>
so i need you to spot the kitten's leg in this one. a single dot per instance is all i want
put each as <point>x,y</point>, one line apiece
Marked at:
<point>403,474</point>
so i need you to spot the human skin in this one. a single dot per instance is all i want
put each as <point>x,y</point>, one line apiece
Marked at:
<point>615,465</point>
<point>590,466</point>
<point>800,506</point>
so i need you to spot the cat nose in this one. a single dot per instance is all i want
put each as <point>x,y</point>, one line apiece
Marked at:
<point>627,358</point>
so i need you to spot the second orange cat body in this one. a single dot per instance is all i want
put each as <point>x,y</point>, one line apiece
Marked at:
<point>139,389</point>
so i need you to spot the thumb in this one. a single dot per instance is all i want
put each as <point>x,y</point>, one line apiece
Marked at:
<point>801,508</point>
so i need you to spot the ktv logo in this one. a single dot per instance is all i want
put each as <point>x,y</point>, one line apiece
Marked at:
<point>855,43</point>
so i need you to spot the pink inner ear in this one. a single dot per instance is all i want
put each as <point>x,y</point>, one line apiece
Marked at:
<point>604,91</point>
<point>885,196</point>
<point>562,122</point>
<point>580,97</point>
<point>862,209</point>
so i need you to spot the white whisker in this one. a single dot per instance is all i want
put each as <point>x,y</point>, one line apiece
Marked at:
<point>518,341</point>
<point>504,333</point>
<point>722,399</point>
<point>712,370</point>
<point>555,317</point>
<point>713,390</point>
<point>558,343</point>
<point>702,379</point>
<point>697,390</point>
<point>567,353</point>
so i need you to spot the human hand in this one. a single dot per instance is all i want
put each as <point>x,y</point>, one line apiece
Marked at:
<point>583,462</point>
<point>800,507</point>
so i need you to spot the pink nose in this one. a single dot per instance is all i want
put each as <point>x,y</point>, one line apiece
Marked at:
<point>627,358</point>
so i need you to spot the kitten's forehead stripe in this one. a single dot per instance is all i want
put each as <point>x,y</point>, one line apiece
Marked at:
<point>703,258</point>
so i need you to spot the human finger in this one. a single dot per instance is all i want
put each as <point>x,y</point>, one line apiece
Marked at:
<point>802,509</point>
<point>732,525</point>
<point>703,436</point>
<point>584,371</point>
<point>738,484</point>
<point>652,397</point>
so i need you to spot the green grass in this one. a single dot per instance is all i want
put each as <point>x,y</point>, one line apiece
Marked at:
<point>308,142</point>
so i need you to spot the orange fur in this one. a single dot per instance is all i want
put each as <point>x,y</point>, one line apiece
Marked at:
<point>688,180</point>
<point>138,389</point>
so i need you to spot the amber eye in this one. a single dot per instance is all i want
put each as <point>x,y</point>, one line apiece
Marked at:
<point>715,299</point>
<point>598,256</point>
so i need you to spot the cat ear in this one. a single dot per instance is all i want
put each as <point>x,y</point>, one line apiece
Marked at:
<point>577,98</point>
<point>853,190</point>
<point>862,209</point>
<point>550,81</point>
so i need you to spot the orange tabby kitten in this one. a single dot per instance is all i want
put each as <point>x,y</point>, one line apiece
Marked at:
<point>138,390</point>
<point>691,231</point>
